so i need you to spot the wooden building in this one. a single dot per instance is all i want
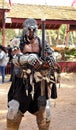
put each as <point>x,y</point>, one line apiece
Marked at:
<point>12,17</point>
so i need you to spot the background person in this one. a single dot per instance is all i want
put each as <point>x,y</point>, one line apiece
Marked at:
<point>10,60</point>
<point>3,62</point>
<point>14,47</point>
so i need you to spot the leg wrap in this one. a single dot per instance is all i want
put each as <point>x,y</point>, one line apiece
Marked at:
<point>41,119</point>
<point>14,124</point>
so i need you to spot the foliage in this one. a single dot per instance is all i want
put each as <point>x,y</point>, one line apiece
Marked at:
<point>70,51</point>
<point>11,33</point>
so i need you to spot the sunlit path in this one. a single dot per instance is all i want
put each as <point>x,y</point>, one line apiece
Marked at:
<point>63,109</point>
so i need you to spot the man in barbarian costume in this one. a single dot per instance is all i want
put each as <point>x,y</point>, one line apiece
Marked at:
<point>33,79</point>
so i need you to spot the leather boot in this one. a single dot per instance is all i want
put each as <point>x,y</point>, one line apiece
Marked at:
<point>41,119</point>
<point>47,125</point>
<point>14,124</point>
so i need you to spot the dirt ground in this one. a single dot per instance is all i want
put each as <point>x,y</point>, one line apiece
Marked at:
<point>63,109</point>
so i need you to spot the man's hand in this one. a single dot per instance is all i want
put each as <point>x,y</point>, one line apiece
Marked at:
<point>36,63</point>
<point>45,65</point>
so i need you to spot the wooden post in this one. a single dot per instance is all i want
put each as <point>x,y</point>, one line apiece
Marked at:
<point>57,38</point>
<point>49,38</point>
<point>67,35</point>
<point>3,28</point>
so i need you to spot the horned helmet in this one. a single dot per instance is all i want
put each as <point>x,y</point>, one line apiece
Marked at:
<point>29,24</point>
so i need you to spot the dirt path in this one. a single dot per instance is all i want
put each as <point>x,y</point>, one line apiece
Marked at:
<point>63,109</point>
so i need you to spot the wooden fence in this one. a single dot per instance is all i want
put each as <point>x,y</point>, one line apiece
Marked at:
<point>65,67</point>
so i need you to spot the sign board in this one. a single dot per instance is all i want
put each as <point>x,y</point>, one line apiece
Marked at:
<point>8,20</point>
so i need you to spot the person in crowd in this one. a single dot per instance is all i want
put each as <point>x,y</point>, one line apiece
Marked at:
<point>58,73</point>
<point>3,62</point>
<point>31,86</point>
<point>9,49</point>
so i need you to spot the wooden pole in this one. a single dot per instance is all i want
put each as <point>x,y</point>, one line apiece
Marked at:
<point>49,38</point>
<point>3,28</point>
<point>57,38</point>
<point>67,35</point>
<point>3,24</point>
